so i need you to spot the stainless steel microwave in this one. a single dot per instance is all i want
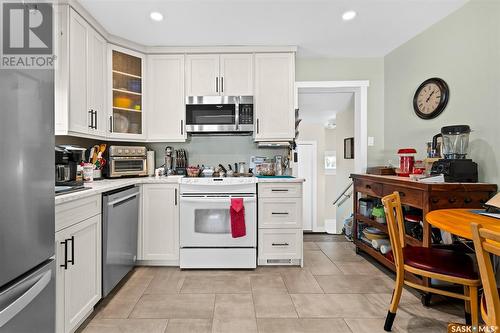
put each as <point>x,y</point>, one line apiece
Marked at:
<point>214,114</point>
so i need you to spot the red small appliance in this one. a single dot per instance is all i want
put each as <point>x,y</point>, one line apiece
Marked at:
<point>406,161</point>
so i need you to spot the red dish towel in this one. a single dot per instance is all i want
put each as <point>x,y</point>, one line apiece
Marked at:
<point>238,228</point>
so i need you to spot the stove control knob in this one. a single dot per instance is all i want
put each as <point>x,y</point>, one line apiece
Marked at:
<point>126,151</point>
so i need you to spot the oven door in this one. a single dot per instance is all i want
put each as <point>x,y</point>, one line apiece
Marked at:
<point>211,114</point>
<point>127,166</point>
<point>205,222</point>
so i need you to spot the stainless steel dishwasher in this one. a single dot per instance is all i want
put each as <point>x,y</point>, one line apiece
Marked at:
<point>119,235</point>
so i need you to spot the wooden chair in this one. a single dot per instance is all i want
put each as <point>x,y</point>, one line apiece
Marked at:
<point>487,242</point>
<point>441,264</point>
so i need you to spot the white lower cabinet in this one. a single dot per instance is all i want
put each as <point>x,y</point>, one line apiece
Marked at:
<point>159,230</point>
<point>78,279</point>
<point>279,245</point>
<point>280,224</point>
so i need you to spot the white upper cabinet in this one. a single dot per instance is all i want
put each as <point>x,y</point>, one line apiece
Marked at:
<point>96,83</point>
<point>79,120</point>
<point>85,111</point>
<point>202,75</point>
<point>236,74</point>
<point>127,115</point>
<point>219,74</point>
<point>274,97</point>
<point>165,95</point>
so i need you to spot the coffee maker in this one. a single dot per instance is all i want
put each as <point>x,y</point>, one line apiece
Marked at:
<point>455,167</point>
<point>67,159</point>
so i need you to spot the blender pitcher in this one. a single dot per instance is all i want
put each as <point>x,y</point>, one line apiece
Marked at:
<point>455,141</point>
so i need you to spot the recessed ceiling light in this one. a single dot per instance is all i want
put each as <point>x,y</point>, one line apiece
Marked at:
<point>156,16</point>
<point>349,15</point>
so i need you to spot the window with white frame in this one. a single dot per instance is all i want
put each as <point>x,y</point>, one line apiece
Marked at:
<point>330,162</point>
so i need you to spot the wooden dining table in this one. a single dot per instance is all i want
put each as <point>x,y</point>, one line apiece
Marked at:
<point>458,221</point>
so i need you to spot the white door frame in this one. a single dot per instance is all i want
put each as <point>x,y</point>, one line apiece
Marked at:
<point>360,90</point>
<point>314,145</point>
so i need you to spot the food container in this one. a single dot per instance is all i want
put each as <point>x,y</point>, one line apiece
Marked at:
<point>379,214</point>
<point>406,161</point>
<point>122,102</point>
<point>193,171</point>
<point>88,172</point>
<point>265,169</point>
<point>366,207</point>
<point>97,174</point>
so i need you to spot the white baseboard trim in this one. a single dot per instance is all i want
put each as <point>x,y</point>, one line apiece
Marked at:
<point>331,226</point>
<point>318,229</point>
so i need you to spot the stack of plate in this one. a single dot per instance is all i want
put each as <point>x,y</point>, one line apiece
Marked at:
<point>372,233</point>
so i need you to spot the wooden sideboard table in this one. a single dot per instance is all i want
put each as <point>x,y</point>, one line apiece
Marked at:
<point>426,197</point>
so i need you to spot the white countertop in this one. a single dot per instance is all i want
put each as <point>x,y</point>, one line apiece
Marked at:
<point>280,180</point>
<point>101,186</point>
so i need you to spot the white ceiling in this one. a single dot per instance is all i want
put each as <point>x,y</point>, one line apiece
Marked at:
<point>315,26</point>
<point>320,108</point>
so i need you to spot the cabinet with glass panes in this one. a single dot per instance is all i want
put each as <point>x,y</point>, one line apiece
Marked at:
<point>127,72</point>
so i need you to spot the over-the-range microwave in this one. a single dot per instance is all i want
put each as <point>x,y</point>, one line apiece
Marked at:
<point>218,114</point>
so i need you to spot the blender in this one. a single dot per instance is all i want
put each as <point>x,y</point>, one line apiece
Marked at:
<point>455,167</point>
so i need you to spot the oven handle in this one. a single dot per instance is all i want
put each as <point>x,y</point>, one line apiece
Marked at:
<point>217,199</point>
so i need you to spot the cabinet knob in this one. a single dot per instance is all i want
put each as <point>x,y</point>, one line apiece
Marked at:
<point>467,200</point>
<point>452,199</point>
<point>434,200</point>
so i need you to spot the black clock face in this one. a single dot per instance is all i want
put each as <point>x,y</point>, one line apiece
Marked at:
<point>431,98</point>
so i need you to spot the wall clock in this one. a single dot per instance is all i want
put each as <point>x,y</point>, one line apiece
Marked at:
<point>431,98</point>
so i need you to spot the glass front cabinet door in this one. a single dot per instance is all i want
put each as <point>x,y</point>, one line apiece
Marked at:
<point>127,114</point>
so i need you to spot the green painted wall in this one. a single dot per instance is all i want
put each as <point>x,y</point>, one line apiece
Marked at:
<point>464,50</point>
<point>347,69</point>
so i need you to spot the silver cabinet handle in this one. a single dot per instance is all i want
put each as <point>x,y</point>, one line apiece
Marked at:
<point>110,124</point>
<point>182,127</point>
<point>280,244</point>
<point>257,125</point>
<point>175,198</point>
<point>279,190</point>
<point>216,84</point>
<point>278,213</point>
<point>222,84</point>
<point>13,308</point>
<point>95,114</point>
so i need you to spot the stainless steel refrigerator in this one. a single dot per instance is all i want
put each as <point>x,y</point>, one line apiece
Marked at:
<point>27,266</point>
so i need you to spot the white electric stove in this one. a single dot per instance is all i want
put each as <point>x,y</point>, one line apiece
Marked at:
<point>205,224</point>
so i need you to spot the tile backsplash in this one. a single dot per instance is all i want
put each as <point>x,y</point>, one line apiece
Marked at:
<point>213,150</point>
<point>207,150</point>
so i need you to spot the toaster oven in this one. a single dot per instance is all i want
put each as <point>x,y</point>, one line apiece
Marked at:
<point>127,161</point>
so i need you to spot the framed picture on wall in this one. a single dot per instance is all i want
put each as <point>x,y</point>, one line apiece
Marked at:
<point>349,148</point>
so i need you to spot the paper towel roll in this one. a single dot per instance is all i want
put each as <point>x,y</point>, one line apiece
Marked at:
<point>150,162</point>
<point>384,249</point>
<point>377,243</point>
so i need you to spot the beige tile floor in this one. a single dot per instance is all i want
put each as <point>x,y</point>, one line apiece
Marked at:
<point>336,291</point>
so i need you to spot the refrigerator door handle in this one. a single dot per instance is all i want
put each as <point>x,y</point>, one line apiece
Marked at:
<point>12,309</point>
